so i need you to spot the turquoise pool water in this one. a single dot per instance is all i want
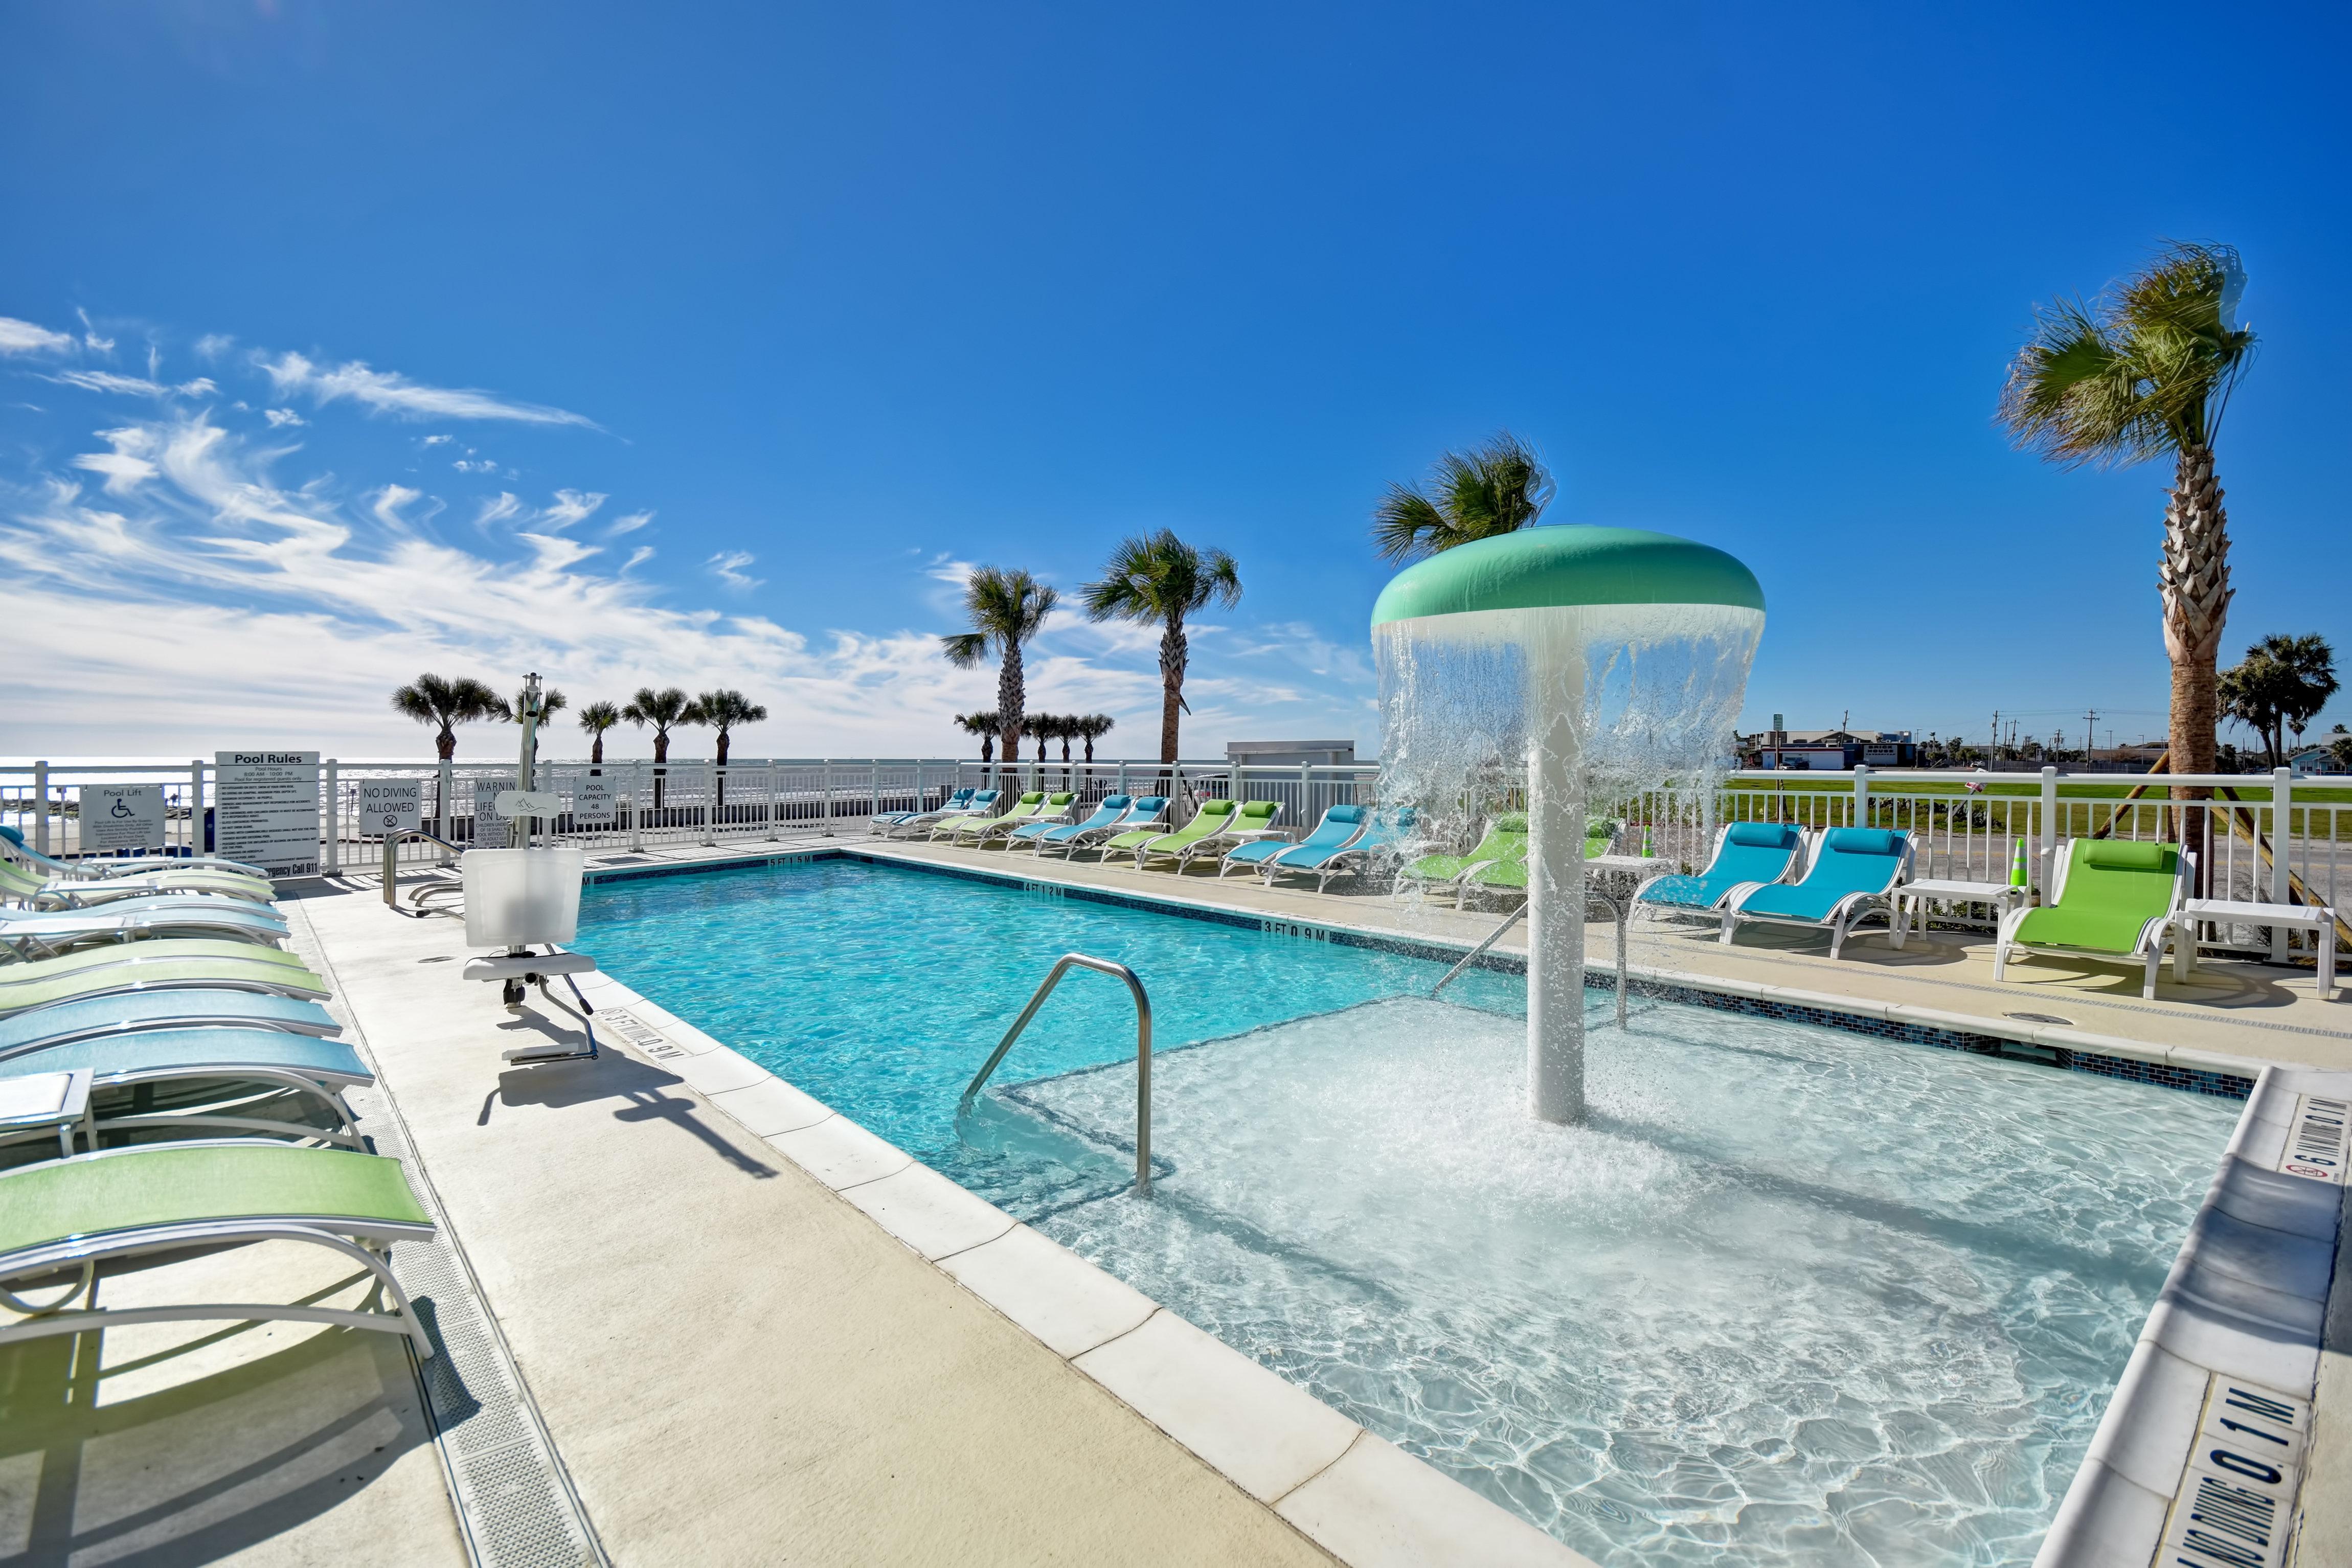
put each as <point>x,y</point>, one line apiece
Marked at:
<point>1793,1295</point>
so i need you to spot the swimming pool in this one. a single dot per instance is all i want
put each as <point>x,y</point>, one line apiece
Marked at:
<point>1792,1295</point>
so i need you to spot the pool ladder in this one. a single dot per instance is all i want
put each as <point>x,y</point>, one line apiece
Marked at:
<point>1063,966</point>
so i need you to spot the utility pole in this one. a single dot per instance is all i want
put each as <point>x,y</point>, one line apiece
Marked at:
<point>1992,753</point>
<point>2090,735</point>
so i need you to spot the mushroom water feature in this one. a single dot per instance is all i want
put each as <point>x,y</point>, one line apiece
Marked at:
<point>1603,662</point>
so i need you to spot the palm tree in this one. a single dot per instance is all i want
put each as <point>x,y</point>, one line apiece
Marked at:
<point>982,725</point>
<point>664,710</point>
<point>596,718</point>
<point>550,700</point>
<point>1006,608</point>
<point>1156,580</point>
<point>1493,489</point>
<point>432,700</point>
<point>723,710</point>
<point>1092,727</point>
<point>2282,685</point>
<point>1043,728</point>
<point>2144,371</point>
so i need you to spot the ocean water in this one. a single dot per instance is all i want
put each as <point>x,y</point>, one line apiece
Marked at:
<point>1792,1295</point>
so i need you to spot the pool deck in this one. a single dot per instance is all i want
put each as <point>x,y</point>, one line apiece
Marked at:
<point>749,1330</point>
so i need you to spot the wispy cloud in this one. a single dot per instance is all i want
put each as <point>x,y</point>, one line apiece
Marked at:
<point>627,523</point>
<point>25,338</point>
<point>728,567</point>
<point>89,335</point>
<point>389,392</point>
<point>135,386</point>
<point>212,345</point>
<point>572,506</point>
<point>281,417</point>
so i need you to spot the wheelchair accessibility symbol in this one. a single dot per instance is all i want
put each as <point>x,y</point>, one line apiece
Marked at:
<point>122,808</point>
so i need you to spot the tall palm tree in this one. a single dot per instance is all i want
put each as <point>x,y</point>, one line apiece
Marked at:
<point>446,703</point>
<point>1043,728</point>
<point>1158,580</point>
<point>550,700</point>
<point>664,710</point>
<point>723,710</point>
<point>1496,488</point>
<point>1007,607</point>
<point>2282,685</point>
<point>982,725</point>
<point>2146,371</point>
<point>596,718</point>
<point>1092,727</point>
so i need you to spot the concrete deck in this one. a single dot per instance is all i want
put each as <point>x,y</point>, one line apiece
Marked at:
<point>738,1363</point>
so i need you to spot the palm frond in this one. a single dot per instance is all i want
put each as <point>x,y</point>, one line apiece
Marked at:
<point>1495,488</point>
<point>964,649</point>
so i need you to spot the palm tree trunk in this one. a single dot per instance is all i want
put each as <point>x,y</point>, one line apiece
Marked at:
<point>597,753</point>
<point>2194,584</point>
<point>720,775</point>
<point>1010,698</point>
<point>446,743</point>
<point>1172,654</point>
<point>661,755</point>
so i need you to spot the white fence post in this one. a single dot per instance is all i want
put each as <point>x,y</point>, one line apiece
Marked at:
<point>2048,858</point>
<point>1861,795</point>
<point>41,807</point>
<point>195,806</point>
<point>333,818</point>
<point>771,797</point>
<point>825,792</point>
<point>2282,868</point>
<point>637,807</point>
<point>441,806</point>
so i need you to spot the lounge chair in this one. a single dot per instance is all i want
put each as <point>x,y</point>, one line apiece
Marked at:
<point>77,893</point>
<point>1341,826</point>
<point>1510,875</point>
<point>955,805</point>
<point>1148,814</point>
<point>1255,820</point>
<point>68,1217</point>
<point>1382,840</point>
<point>1853,877</point>
<point>982,803</point>
<point>2116,899</point>
<point>37,934</point>
<point>144,957</point>
<point>1506,839</point>
<point>1108,810</point>
<point>137,1010</point>
<point>33,993</point>
<point>12,842</point>
<point>1024,807</point>
<point>1745,852</point>
<point>1056,808</point>
<point>1213,817</point>
<point>160,1083</point>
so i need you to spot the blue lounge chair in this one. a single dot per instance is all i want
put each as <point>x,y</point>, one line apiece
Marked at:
<point>100,866</point>
<point>1385,836</point>
<point>140,1010</point>
<point>169,1082</point>
<point>954,805</point>
<point>38,935</point>
<point>1107,810</point>
<point>1744,853</point>
<point>1341,826</point>
<point>1146,811</point>
<point>1851,878</point>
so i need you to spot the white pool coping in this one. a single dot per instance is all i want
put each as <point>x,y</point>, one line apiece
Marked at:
<point>1363,1500</point>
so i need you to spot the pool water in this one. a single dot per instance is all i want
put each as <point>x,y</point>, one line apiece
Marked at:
<point>1792,1295</point>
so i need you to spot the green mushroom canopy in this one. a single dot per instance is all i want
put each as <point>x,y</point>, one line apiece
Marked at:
<point>1545,568</point>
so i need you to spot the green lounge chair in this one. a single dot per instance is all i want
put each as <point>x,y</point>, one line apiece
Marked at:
<point>1854,876</point>
<point>1023,807</point>
<point>121,1014</point>
<point>2113,899</point>
<point>75,893</point>
<point>1505,840</point>
<point>69,1216</point>
<point>165,974</point>
<point>1255,821</point>
<point>153,951</point>
<point>1056,808</point>
<point>1213,817</point>
<point>165,1084</point>
<point>1511,875</point>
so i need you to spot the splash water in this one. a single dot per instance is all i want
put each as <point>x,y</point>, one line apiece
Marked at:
<point>1570,709</point>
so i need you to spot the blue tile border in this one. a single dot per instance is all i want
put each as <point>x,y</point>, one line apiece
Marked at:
<point>2189,1079</point>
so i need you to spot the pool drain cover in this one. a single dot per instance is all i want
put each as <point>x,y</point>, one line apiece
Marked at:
<point>2040,1018</point>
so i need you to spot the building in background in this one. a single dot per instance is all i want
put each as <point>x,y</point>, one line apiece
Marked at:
<point>1290,753</point>
<point>1829,748</point>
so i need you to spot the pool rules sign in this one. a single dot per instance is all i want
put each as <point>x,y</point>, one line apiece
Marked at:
<point>265,809</point>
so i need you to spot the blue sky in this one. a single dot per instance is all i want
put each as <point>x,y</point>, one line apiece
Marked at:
<point>703,344</point>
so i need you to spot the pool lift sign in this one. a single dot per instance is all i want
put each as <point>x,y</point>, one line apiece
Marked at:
<point>120,816</point>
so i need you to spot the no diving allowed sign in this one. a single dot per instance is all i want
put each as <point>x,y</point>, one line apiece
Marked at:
<point>2317,1144</point>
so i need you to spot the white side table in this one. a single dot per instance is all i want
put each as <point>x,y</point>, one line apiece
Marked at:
<point>48,1099</point>
<point>1912,897</point>
<point>2315,917</point>
<point>1638,867</point>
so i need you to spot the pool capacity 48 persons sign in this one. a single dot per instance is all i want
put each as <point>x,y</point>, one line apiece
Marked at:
<point>120,816</point>
<point>265,809</point>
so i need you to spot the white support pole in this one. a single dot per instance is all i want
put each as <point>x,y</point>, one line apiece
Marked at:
<point>2281,866</point>
<point>827,793</point>
<point>1556,877</point>
<point>441,805</point>
<point>874,789</point>
<point>637,807</point>
<point>195,806</point>
<point>770,774</point>
<point>41,807</point>
<point>1122,778</point>
<point>333,818</point>
<point>1861,795</point>
<point>2048,857</point>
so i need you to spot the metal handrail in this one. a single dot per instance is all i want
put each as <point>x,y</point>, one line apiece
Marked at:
<point>1472,956</point>
<point>392,842</point>
<point>1142,1051</point>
